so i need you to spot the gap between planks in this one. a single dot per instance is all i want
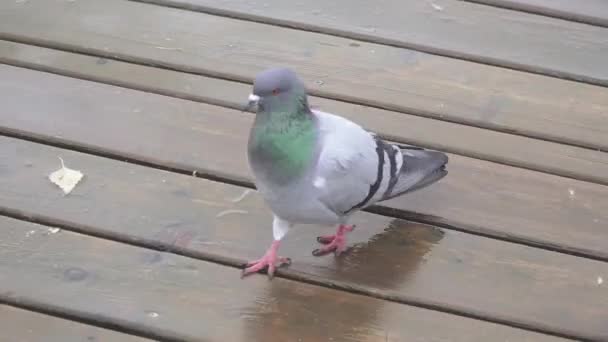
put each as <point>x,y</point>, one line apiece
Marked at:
<point>87,318</point>
<point>368,38</point>
<point>218,176</point>
<point>7,298</point>
<point>187,283</point>
<point>501,98</point>
<point>376,209</point>
<point>544,11</point>
<point>30,326</point>
<point>499,159</point>
<point>197,71</point>
<point>465,226</point>
<point>121,174</point>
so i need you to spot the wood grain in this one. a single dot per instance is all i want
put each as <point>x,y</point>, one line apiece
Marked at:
<point>378,75</point>
<point>27,326</point>
<point>180,298</point>
<point>594,12</point>
<point>390,258</point>
<point>480,196</point>
<point>509,149</point>
<point>451,28</point>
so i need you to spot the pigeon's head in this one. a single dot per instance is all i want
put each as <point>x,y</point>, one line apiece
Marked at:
<point>273,85</point>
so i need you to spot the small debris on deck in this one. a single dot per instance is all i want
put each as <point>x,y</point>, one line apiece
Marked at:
<point>169,48</point>
<point>572,193</point>
<point>66,178</point>
<point>153,314</point>
<point>435,6</point>
<point>241,196</point>
<point>231,211</point>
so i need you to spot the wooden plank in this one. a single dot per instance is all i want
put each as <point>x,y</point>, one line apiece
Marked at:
<point>378,75</point>
<point>27,326</point>
<point>451,28</point>
<point>180,298</point>
<point>539,155</point>
<point>409,262</point>
<point>594,12</point>
<point>505,202</point>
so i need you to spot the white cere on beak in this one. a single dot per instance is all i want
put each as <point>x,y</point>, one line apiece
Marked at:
<point>253,101</point>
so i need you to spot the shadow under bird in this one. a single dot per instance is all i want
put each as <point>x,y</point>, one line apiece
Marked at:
<point>313,167</point>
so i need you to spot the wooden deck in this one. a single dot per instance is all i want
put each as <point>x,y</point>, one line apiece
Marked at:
<point>144,98</point>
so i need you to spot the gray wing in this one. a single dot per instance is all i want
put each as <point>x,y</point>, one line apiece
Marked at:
<point>356,169</point>
<point>351,166</point>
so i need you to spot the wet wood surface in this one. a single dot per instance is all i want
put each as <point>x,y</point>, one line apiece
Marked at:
<point>179,298</point>
<point>594,12</point>
<point>503,201</point>
<point>145,99</point>
<point>390,257</point>
<point>534,154</point>
<point>379,75</point>
<point>447,27</point>
<point>27,326</point>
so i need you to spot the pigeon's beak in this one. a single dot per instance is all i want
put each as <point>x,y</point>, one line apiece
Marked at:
<point>253,100</point>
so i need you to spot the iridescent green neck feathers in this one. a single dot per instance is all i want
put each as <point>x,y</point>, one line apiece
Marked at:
<point>283,138</point>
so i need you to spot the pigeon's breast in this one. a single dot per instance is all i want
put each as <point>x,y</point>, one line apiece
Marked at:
<point>298,203</point>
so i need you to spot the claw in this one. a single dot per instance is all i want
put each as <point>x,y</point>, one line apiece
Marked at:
<point>322,251</point>
<point>325,239</point>
<point>333,243</point>
<point>269,261</point>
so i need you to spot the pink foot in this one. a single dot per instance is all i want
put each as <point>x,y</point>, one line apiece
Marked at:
<point>333,243</point>
<point>269,260</point>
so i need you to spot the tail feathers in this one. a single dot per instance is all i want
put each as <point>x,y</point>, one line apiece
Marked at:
<point>420,169</point>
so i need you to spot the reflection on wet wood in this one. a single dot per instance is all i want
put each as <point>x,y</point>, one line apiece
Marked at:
<point>391,257</point>
<point>502,200</point>
<point>171,296</point>
<point>26,326</point>
<point>379,75</point>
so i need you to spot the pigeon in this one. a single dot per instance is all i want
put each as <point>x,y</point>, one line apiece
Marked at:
<point>314,167</point>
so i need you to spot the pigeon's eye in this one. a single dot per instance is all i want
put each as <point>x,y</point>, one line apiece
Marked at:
<point>275,91</point>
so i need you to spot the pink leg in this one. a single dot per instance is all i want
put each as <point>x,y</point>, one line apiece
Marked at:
<point>269,259</point>
<point>333,243</point>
